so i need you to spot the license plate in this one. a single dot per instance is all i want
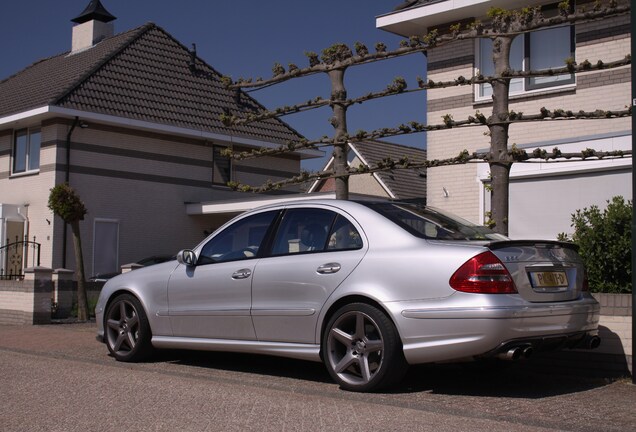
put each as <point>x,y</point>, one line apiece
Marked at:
<point>549,279</point>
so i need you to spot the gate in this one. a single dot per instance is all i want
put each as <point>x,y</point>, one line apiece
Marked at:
<point>16,256</point>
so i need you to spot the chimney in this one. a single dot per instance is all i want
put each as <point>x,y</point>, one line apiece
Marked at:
<point>92,25</point>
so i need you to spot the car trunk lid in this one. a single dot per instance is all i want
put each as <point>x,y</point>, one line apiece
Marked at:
<point>543,271</point>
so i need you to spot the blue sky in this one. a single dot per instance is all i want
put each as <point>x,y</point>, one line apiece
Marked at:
<point>244,39</point>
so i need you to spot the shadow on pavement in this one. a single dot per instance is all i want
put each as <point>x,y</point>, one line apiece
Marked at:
<point>495,379</point>
<point>248,363</point>
<point>491,379</point>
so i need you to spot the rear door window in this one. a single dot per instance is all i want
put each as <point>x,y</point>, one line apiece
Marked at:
<point>314,230</point>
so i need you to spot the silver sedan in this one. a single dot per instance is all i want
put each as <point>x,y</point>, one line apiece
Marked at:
<point>365,287</point>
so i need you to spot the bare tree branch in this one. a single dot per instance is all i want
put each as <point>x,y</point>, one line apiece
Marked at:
<point>399,86</point>
<point>414,127</point>
<point>390,164</point>
<point>504,23</point>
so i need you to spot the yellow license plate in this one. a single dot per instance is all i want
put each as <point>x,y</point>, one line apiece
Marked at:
<point>549,279</point>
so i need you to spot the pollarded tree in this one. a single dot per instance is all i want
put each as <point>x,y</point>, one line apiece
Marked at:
<point>65,203</point>
<point>503,26</point>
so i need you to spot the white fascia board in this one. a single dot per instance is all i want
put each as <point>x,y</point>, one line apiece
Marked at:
<point>24,115</point>
<point>49,111</point>
<point>418,19</point>
<point>375,174</point>
<point>314,185</point>
<point>239,206</point>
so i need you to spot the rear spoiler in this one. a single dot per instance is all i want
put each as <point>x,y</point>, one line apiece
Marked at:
<point>548,244</point>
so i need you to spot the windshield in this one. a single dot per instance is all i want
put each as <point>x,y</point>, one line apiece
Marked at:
<point>430,223</point>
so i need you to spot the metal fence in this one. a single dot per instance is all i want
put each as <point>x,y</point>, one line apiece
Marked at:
<point>16,256</point>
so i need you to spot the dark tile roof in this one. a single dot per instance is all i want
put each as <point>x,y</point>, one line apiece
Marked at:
<point>405,183</point>
<point>142,74</point>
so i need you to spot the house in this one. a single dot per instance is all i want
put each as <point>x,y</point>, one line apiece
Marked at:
<point>132,122</point>
<point>542,195</point>
<point>398,184</point>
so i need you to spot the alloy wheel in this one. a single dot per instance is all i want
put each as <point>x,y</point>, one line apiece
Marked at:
<point>355,348</point>
<point>122,327</point>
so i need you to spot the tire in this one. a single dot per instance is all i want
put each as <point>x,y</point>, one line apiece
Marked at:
<point>126,328</point>
<point>362,349</point>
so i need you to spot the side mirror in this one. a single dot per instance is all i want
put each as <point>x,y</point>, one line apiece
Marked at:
<point>187,257</point>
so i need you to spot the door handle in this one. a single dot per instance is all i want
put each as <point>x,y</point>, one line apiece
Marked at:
<point>329,268</point>
<point>242,274</point>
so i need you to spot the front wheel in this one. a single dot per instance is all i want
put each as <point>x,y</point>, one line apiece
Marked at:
<point>362,349</point>
<point>127,330</point>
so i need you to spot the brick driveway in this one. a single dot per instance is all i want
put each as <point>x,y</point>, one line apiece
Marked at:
<point>58,378</point>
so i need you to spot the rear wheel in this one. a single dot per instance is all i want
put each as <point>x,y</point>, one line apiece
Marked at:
<point>127,329</point>
<point>362,349</point>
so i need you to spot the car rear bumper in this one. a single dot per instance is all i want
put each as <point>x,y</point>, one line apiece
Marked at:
<point>434,334</point>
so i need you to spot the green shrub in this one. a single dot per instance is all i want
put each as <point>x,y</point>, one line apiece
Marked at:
<point>605,244</point>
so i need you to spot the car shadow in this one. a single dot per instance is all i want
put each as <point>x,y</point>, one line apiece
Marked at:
<point>248,363</point>
<point>521,379</point>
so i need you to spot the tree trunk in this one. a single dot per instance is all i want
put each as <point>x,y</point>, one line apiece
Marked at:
<point>82,302</point>
<point>499,161</point>
<point>339,122</point>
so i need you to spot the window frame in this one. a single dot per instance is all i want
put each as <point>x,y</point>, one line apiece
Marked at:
<point>528,87</point>
<point>262,248</point>
<point>28,154</point>
<point>331,230</point>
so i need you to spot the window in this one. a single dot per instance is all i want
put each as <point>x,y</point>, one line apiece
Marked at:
<point>429,223</point>
<point>222,167</point>
<point>315,230</point>
<point>538,50</point>
<point>241,240</point>
<point>26,150</point>
<point>105,246</point>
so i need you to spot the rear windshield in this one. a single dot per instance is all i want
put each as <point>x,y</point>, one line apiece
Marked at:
<point>430,223</point>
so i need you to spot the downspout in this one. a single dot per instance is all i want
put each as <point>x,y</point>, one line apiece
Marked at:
<point>27,226</point>
<point>633,46</point>
<point>66,180</point>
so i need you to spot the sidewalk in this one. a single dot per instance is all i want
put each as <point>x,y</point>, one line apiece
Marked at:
<point>59,378</point>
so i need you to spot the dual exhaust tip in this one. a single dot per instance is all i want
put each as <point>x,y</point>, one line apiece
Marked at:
<point>517,353</point>
<point>525,351</point>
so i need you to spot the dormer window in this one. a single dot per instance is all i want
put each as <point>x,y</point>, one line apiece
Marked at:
<point>26,151</point>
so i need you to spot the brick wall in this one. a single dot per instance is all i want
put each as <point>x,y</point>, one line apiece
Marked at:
<point>27,301</point>
<point>42,295</point>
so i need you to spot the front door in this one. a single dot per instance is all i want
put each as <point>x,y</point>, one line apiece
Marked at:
<point>213,299</point>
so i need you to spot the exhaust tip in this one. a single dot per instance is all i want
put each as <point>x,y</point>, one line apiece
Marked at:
<point>512,354</point>
<point>516,353</point>
<point>594,342</point>
<point>527,352</point>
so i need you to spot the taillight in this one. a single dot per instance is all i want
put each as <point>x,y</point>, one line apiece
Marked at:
<point>484,274</point>
<point>586,282</point>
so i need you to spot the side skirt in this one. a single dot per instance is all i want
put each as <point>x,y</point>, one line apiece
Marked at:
<point>298,351</point>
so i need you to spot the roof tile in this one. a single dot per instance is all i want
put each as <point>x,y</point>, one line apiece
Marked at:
<point>141,74</point>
